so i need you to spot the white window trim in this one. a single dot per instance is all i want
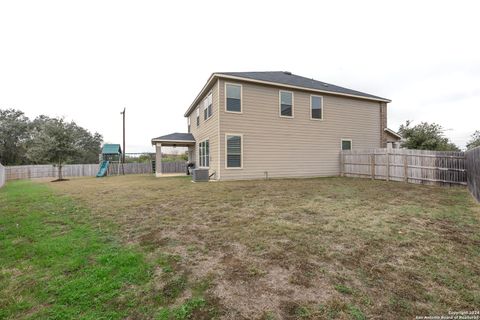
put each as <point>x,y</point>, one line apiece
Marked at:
<point>241,97</point>
<point>199,162</point>
<point>197,122</point>
<point>341,144</point>
<point>322,113</point>
<point>280,104</point>
<point>205,106</point>
<point>226,151</point>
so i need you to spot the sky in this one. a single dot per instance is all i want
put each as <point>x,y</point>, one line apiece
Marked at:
<point>87,60</point>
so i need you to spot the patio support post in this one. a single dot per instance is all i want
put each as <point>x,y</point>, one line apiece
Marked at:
<point>190,154</point>
<point>158,159</point>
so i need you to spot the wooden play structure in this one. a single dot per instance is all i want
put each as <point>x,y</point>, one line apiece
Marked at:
<point>110,160</point>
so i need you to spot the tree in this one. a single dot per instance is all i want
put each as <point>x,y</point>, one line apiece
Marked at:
<point>425,136</point>
<point>14,133</point>
<point>22,139</point>
<point>474,140</point>
<point>53,141</point>
<point>88,145</point>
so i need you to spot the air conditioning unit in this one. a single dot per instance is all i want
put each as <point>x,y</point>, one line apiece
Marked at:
<point>200,175</point>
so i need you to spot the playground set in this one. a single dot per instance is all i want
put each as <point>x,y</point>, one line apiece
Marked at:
<point>111,154</point>
<point>114,162</point>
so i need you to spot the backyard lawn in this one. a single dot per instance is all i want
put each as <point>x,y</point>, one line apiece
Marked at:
<point>138,247</point>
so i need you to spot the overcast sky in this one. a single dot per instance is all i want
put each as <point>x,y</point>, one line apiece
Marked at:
<point>86,60</point>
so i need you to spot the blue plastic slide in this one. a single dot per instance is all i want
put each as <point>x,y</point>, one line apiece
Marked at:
<point>102,172</point>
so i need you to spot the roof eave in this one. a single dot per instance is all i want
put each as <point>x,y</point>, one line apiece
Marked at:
<point>195,101</point>
<point>173,141</point>
<point>277,84</point>
<point>214,76</point>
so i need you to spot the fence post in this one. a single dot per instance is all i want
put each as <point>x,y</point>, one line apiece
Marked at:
<point>405,168</point>
<point>372,162</point>
<point>388,164</point>
<point>342,163</point>
<point>3,174</point>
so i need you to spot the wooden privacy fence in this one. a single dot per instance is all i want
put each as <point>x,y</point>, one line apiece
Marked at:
<point>414,166</point>
<point>3,178</point>
<point>473,172</point>
<point>50,171</point>
<point>129,168</point>
<point>174,167</point>
<point>85,170</point>
<point>148,167</point>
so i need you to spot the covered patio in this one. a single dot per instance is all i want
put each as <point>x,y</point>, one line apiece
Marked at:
<point>172,140</point>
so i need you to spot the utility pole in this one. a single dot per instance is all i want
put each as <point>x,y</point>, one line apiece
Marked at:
<point>123,147</point>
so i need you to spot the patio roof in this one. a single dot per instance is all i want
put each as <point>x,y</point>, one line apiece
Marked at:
<point>175,139</point>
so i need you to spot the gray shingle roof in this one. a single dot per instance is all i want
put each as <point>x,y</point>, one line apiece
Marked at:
<point>177,137</point>
<point>287,78</point>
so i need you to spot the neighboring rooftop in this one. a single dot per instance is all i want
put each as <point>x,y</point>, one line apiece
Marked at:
<point>288,78</point>
<point>393,133</point>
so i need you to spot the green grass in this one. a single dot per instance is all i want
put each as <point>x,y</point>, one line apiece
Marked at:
<point>56,265</point>
<point>183,311</point>
<point>343,289</point>
<point>144,248</point>
<point>356,313</point>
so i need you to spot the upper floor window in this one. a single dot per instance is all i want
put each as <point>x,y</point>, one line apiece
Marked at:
<point>188,122</point>
<point>198,117</point>
<point>286,104</point>
<point>316,106</point>
<point>207,107</point>
<point>204,153</point>
<point>233,97</point>
<point>346,144</point>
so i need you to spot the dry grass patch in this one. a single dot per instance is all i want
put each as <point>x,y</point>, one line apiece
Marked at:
<point>301,248</point>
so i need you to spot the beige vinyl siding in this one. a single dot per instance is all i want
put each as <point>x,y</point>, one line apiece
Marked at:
<point>208,129</point>
<point>298,146</point>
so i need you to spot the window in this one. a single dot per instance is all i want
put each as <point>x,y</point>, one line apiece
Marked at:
<point>346,144</point>
<point>188,123</point>
<point>204,153</point>
<point>286,104</point>
<point>198,117</point>
<point>207,107</point>
<point>316,105</point>
<point>233,97</point>
<point>234,151</point>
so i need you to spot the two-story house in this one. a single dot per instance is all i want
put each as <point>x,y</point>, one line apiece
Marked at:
<point>249,125</point>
